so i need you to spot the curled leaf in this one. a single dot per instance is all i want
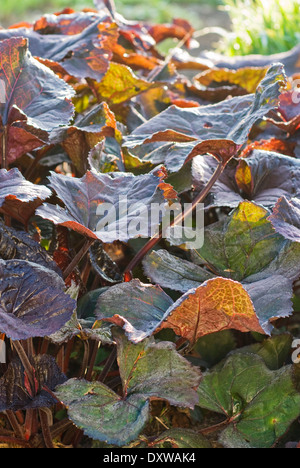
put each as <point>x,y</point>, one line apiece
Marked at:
<point>33,302</point>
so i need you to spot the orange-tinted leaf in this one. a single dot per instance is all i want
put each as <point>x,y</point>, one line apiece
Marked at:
<point>219,304</point>
<point>65,24</point>
<point>179,29</point>
<point>36,101</point>
<point>275,145</point>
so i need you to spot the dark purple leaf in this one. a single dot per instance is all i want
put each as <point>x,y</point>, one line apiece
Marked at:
<point>85,54</point>
<point>263,178</point>
<point>14,392</point>
<point>18,197</point>
<point>286,218</point>
<point>290,60</point>
<point>33,302</point>
<point>103,264</point>
<point>82,198</point>
<point>138,308</point>
<point>18,245</point>
<point>219,129</point>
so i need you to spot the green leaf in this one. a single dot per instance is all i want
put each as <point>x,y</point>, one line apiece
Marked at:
<point>182,438</point>
<point>274,351</point>
<point>243,247</point>
<point>101,413</point>
<point>259,404</point>
<point>147,370</point>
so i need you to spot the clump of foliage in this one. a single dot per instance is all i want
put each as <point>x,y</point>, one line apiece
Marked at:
<point>112,339</point>
<point>262,26</point>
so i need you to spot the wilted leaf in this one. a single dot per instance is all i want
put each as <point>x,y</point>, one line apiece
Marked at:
<point>14,394</point>
<point>260,404</point>
<point>147,370</point>
<point>36,100</point>
<point>136,307</point>
<point>205,129</point>
<point>103,264</point>
<point>33,302</point>
<point>18,197</point>
<point>83,197</point>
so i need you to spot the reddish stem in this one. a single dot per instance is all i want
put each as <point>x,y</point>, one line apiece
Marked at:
<point>177,221</point>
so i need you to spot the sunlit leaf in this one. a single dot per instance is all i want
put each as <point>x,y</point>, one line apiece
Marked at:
<point>34,102</point>
<point>205,129</point>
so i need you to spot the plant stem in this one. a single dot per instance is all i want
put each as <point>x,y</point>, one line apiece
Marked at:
<point>178,220</point>
<point>4,149</point>
<point>85,359</point>
<point>45,428</point>
<point>30,423</point>
<point>13,441</point>
<point>92,360</point>
<point>76,260</point>
<point>108,365</point>
<point>26,363</point>
<point>14,424</point>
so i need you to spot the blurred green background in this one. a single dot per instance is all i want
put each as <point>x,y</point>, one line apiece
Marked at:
<point>251,26</point>
<point>152,10</point>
